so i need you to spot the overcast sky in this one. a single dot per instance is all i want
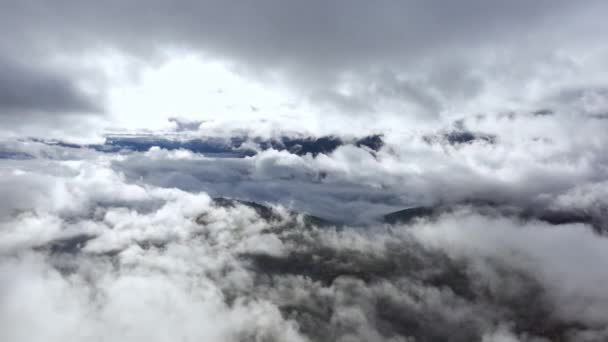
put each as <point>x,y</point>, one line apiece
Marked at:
<point>67,65</point>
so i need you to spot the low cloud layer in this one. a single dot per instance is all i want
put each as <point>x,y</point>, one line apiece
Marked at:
<point>100,246</point>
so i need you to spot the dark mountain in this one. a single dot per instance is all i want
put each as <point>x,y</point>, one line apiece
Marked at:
<point>459,137</point>
<point>226,147</point>
<point>5,154</point>
<point>551,216</point>
<point>268,213</point>
<point>409,215</point>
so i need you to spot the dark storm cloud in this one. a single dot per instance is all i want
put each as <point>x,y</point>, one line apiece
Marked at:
<point>27,89</point>
<point>315,32</point>
<point>38,98</point>
<point>311,41</point>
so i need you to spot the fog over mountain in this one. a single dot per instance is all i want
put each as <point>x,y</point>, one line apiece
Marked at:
<point>303,171</point>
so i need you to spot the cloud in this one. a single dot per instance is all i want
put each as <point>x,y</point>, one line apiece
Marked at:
<point>45,100</point>
<point>28,89</point>
<point>393,60</point>
<point>235,275</point>
<point>519,169</point>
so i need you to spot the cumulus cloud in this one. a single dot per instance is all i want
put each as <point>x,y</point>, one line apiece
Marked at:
<point>89,253</point>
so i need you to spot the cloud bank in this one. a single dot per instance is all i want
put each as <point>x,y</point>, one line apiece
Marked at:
<point>99,246</point>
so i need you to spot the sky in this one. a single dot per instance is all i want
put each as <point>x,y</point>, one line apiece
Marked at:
<point>123,122</point>
<point>117,64</point>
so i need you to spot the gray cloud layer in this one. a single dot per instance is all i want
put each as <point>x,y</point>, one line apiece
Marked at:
<point>337,33</point>
<point>27,90</point>
<point>412,58</point>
